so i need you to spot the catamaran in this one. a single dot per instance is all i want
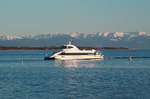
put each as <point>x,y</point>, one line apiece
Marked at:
<point>71,52</point>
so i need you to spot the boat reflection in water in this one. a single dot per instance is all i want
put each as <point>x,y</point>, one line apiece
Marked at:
<point>76,63</point>
<point>77,73</point>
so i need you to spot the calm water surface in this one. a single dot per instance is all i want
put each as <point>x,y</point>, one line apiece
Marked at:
<point>25,75</point>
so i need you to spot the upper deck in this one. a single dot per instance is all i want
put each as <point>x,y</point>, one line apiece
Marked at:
<point>69,48</point>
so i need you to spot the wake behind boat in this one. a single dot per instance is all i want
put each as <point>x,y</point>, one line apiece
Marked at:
<point>70,52</point>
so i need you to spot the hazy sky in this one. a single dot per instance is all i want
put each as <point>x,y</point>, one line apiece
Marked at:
<point>43,16</point>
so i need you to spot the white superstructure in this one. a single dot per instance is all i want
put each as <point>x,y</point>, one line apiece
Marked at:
<point>70,52</point>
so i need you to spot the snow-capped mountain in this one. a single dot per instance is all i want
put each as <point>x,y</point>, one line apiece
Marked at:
<point>112,39</point>
<point>10,37</point>
<point>111,35</point>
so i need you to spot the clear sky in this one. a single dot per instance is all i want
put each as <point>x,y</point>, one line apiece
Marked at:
<point>43,16</point>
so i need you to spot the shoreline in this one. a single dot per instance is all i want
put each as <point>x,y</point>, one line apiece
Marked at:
<point>55,48</point>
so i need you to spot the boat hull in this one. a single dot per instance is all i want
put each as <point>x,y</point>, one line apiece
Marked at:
<point>84,57</point>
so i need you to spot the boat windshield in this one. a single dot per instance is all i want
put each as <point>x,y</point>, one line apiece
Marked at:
<point>65,47</point>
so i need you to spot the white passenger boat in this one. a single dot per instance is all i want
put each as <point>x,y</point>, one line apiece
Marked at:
<point>71,52</point>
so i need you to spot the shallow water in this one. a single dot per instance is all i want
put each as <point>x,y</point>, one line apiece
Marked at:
<point>25,75</point>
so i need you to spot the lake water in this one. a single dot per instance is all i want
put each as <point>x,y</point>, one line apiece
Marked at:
<point>25,75</point>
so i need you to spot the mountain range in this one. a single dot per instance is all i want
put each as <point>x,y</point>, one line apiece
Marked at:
<point>97,39</point>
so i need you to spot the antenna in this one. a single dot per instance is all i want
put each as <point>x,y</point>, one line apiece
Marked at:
<point>69,42</point>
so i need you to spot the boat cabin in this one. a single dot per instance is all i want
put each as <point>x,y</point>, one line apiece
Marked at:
<point>69,47</point>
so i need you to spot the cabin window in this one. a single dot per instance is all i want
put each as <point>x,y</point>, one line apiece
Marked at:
<point>76,53</point>
<point>70,47</point>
